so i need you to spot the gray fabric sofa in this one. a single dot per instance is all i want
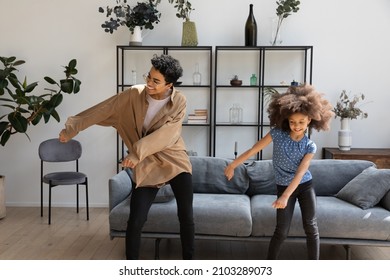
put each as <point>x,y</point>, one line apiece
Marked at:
<point>240,209</point>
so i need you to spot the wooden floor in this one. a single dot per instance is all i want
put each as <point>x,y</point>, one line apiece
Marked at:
<point>24,235</point>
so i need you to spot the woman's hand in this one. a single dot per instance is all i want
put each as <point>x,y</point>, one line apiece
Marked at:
<point>128,163</point>
<point>63,137</point>
<point>229,172</point>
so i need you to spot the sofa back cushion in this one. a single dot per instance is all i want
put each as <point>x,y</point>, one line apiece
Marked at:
<point>261,177</point>
<point>208,176</point>
<point>331,175</point>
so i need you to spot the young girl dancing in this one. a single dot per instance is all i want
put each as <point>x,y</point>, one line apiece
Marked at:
<point>291,115</point>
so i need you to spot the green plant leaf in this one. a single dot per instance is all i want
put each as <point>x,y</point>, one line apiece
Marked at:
<point>19,62</point>
<point>50,81</point>
<point>77,84</point>
<point>3,84</point>
<point>4,137</point>
<point>9,106</point>
<point>46,116</point>
<point>55,100</point>
<point>72,64</point>
<point>30,87</point>
<point>67,85</point>
<point>18,122</point>
<point>14,81</point>
<point>55,115</point>
<point>3,126</point>
<point>6,100</point>
<point>37,119</point>
<point>10,59</point>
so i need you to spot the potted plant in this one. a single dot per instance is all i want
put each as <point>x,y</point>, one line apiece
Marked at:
<point>235,81</point>
<point>24,108</point>
<point>144,15</point>
<point>283,10</point>
<point>346,109</point>
<point>189,34</point>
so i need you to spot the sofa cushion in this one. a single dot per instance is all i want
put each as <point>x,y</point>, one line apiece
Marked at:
<point>164,194</point>
<point>335,217</point>
<point>208,176</point>
<point>385,201</point>
<point>261,177</point>
<point>119,188</point>
<point>367,188</point>
<point>330,176</point>
<point>225,215</point>
<point>214,214</point>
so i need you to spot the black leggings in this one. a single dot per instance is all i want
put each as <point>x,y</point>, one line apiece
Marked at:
<point>141,201</point>
<point>307,202</point>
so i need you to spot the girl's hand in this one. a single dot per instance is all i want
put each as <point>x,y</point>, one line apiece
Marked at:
<point>280,203</point>
<point>229,172</point>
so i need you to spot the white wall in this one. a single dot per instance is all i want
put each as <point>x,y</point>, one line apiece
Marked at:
<point>351,40</point>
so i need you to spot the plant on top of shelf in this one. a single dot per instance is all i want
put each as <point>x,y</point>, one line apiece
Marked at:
<point>347,108</point>
<point>189,33</point>
<point>26,109</point>
<point>283,10</point>
<point>184,8</point>
<point>144,14</point>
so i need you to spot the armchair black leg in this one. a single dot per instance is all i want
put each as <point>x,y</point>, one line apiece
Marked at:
<point>86,197</point>
<point>77,198</point>
<point>41,199</point>
<point>50,204</point>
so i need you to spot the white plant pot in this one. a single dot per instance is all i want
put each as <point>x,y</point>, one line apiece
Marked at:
<point>2,197</point>
<point>137,36</point>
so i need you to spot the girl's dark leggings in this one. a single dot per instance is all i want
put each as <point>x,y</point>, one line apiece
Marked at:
<point>307,202</point>
<point>141,201</point>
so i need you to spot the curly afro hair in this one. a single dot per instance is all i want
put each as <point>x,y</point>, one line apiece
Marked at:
<point>168,66</point>
<point>302,99</point>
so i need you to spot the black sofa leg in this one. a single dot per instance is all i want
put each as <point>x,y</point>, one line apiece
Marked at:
<point>348,252</point>
<point>157,249</point>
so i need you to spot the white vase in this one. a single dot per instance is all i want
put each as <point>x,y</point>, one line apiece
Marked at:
<point>137,36</point>
<point>2,197</point>
<point>345,136</point>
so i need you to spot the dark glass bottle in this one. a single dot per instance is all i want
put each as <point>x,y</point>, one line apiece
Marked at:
<point>251,29</point>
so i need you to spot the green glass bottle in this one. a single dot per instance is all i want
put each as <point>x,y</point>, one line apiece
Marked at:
<point>251,29</point>
<point>253,80</point>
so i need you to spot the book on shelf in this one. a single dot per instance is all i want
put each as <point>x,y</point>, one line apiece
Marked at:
<point>198,116</point>
<point>197,121</point>
<point>200,112</point>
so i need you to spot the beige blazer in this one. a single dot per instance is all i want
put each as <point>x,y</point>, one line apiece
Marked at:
<point>159,152</point>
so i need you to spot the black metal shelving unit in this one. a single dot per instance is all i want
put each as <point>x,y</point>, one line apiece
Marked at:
<point>123,73</point>
<point>260,55</point>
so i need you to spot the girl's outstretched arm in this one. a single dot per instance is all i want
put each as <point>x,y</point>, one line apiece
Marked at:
<point>261,144</point>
